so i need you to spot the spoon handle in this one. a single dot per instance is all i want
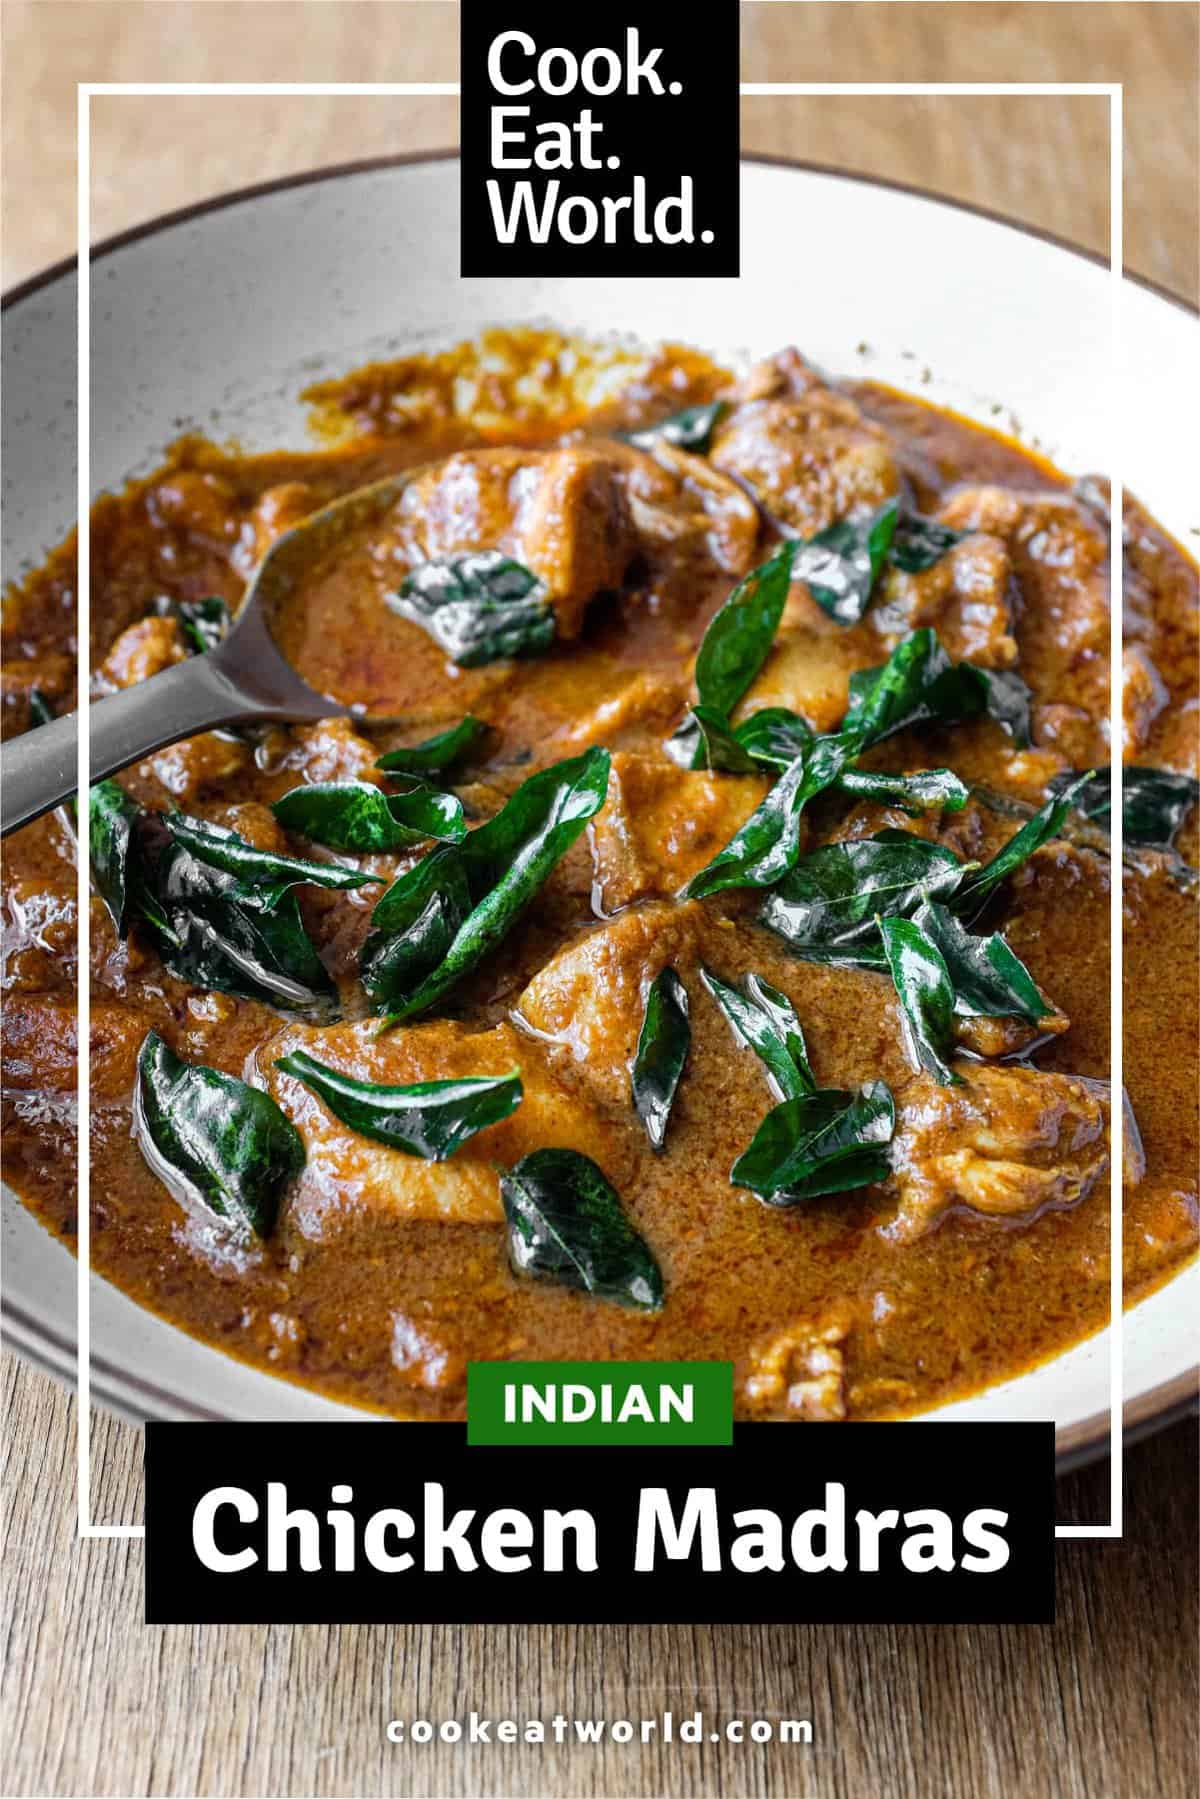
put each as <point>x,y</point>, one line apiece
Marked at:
<point>40,767</point>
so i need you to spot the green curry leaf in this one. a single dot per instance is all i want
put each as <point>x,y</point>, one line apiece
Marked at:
<point>436,753</point>
<point>690,429</point>
<point>774,736</point>
<point>662,1050</point>
<point>826,1141</point>
<point>430,1119</point>
<point>440,918</point>
<point>926,995</point>
<point>112,816</point>
<point>1044,825</point>
<point>841,564</point>
<point>356,815</point>
<point>566,1224</point>
<point>704,740</point>
<point>40,710</point>
<point>479,606</point>
<point>1155,801</point>
<point>765,1021</point>
<point>919,683</point>
<point>825,909</point>
<point>989,978</point>
<point>767,845</point>
<point>919,542</point>
<point>213,1140</point>
<point>739,636</point>
<point>268,871</point>
<point>928,790</point>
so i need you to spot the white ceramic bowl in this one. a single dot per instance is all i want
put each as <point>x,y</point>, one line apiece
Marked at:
<point>218,316</point>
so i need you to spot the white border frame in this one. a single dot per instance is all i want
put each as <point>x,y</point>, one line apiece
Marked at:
<point>85,91</point>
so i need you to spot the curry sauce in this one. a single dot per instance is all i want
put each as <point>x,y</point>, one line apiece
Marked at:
<point>986,1248</point>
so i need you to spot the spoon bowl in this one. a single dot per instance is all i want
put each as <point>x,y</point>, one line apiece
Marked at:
<point>245,680</point>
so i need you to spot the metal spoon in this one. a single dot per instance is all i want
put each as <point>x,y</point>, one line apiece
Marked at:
<point>245,679</point>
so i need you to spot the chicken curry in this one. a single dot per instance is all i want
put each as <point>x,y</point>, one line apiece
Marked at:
<point>695,945</point>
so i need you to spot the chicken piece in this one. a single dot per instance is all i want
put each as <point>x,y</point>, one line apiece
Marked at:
<point>201,506</point>
<point>39,913</point>
<point>1144,696</point>
<point>185,769</point>
<point>1178,735</point>
<point>1060,559</point>
<point>561,512</point>
<point>680,501</point>
<point>40,1035</point>
<point>39,933</point>
<point>1007,1143</point>
<point>579,515</point>
<point>52,675</point>
<point>140,651</point>
<point>198,764</point>
<point>643,702</point>
<point>808,670</point>
<point>589,999</point>
<point>966,596</point>
<point>279,510</point>
<point>661,825</point>
<point>784,373</point>
<point>257,824</point>
<point>347,1173</point>
<point>331,751</point>
<point>808,452</point>
<point>1001,1037</point>
<point>799,1373</point>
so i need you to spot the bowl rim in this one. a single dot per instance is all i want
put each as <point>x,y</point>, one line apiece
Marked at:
<point>1077,1444</point>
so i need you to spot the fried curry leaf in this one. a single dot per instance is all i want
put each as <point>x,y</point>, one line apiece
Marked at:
<point>430,1119</point>
<point>203,622</point>
<point>919,542</point>
<point>1045,824</point>
<point>212,1139</point>
<point>40,709</point>
<point>218,933</point>
<point>928,790</point>
<point>436,753</point>
<point>926,994</point>
<point>989,978</point>
<point>774,737</point>
<point>662,1050</point>
<point>221,912</point>
<point>825,909</point>
<point>440,918</point>
<point>740,635</point>
<point>765,1021</point>
<point>479,606</point>
<point>767,845</point>
<point>704,740</point>
<point>356,815</point>
<point>566,1224</point>
<point>690,429</point>
<point>919,683</point>
<point>826,1141</point>
<point>269,872</point>
<point>1155,801</point>
<point>841,564</point>
<point>112,816</point>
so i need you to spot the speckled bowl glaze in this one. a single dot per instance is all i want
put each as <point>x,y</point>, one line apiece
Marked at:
<point>214,320</point>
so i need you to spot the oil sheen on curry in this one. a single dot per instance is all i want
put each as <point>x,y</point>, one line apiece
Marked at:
<point>695,945</point>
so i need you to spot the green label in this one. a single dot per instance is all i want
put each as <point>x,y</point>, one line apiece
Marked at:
<point>600,1402</point>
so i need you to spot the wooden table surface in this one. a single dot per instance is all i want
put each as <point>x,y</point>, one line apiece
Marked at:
<point>1100,1704</point>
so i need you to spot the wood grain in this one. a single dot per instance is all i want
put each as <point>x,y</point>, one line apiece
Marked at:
<point>1044,160</point>
<point>1102,1704</point>
<point>1099,1704</point>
